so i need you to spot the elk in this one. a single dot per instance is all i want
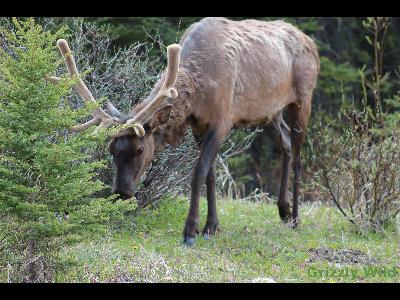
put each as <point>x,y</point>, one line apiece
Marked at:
<point>223,74</point>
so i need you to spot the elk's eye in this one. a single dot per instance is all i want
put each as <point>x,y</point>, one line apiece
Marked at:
<point>140,150</point>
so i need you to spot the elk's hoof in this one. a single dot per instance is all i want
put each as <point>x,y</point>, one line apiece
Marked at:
<point>294,223</point>
<point>208,233</point>
<point>211,228</point>
<point>206,236</point>
<point>285,214</point>
<point>188,241</point>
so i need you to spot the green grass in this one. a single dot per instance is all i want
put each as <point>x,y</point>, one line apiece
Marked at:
<point>252,244</point>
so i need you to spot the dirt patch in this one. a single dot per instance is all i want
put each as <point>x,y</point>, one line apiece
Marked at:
<point>340,256</point>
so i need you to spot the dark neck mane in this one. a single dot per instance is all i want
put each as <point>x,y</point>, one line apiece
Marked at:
<point>176,126</point>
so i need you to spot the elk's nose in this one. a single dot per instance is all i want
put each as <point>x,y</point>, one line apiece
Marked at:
<point>123,194</point>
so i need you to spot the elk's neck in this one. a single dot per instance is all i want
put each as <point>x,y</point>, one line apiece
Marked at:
<point>174,130</point>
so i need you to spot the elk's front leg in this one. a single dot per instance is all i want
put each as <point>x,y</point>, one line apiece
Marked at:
<point>212,218</point>
<point>209,149</point>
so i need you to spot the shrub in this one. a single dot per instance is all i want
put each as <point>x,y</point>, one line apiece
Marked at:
<point>360,175</point>
<point>358,169</point>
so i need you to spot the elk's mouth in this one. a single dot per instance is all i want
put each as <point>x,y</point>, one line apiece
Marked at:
<point>122,195</point>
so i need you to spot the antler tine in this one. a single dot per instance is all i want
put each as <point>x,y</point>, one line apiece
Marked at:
<point>53,79</point>
<point>100,117</point>
<point>167,91</point>
<point>86,125</point>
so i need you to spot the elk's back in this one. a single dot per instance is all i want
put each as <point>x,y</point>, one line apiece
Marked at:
<point>249,70</point>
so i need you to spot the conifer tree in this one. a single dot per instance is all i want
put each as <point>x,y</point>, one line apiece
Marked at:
<point>47,182</point>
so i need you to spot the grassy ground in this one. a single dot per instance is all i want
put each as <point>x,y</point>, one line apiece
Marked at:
<point>252,246</point>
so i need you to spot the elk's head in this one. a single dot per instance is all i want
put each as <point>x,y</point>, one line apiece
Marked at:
<point>133,153</point>
<point>133,146</point>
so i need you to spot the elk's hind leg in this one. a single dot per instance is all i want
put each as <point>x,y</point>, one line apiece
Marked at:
<point>280,133</point>
<point>299,114</point>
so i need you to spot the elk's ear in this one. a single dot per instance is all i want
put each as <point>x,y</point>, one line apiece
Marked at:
<point>159,118</point>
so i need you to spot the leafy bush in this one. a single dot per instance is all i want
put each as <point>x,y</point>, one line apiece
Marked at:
<point>47,181</point>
